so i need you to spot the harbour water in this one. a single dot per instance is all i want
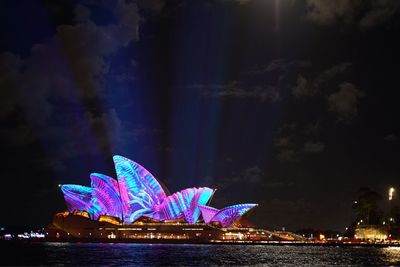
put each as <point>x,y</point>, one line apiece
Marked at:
<point>86,254</point>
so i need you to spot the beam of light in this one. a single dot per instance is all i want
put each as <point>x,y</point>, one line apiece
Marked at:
<point>277,16</point>
<point>68,112</point>
<point>201,57</point>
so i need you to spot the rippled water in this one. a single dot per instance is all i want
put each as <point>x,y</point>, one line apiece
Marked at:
<point>192,255</point>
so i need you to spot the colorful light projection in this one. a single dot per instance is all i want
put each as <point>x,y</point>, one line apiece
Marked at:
<point>102,198</point>
<point>183,204</point>
<point>137,193</point>
<point>140,192</point>
<point>225,216</point>
<point>106,199</point>
<point>142,195</point>
<point>77,197</point>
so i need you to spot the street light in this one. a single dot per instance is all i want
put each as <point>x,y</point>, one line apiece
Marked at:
<point>391,192</point>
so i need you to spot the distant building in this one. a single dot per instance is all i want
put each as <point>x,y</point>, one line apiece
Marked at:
<point>371,232</point>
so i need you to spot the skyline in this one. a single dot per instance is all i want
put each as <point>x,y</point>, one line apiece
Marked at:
<point>288,104</point>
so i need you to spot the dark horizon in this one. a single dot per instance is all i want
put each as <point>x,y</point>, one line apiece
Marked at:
<point>290,104</point>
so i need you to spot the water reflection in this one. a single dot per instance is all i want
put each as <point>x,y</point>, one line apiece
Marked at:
<point>194,255</point>
<point>391,255</point>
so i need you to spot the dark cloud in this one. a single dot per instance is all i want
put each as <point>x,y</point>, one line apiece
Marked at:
<point>275,78</point>
<point>315,84</point>
<point>288,148</point>
<point>303,87</point>
<point>345,102</point>
<point>363,14</point>
<point>236,89</point>
<point>113,133</point>
<point>240,2</point>
<point>89,126</point>
<point>251,175</point>
<point>280,65</point>
<point>64,87</point>
<point>88,57</point>
<point>331,72</point>
<point>243,1</point>
<point>294,142</point>
<point>82,14</point>
<point>313,147</point>
<point>380,11</point>
<point>153,5</point>
<point>328,12</point>
<point>286,154</point>
<point>278,185</point>
<point>74,60</point>
<point>390,138</point>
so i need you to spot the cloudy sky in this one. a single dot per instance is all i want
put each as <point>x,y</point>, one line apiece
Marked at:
<point>290,104</point>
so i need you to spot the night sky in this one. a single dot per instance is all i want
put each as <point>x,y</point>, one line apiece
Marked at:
<point>290,104</point>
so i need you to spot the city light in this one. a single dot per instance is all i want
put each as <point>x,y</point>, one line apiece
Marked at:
<point>391,192</point>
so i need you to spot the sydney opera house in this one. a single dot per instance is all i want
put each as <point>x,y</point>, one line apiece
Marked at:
<point>136,206</point>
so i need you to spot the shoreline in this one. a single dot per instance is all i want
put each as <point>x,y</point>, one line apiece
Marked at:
<point>211,242</point>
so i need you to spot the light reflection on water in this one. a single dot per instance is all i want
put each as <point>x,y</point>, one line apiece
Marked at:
<point>391,254</point>
<point>195,255</point>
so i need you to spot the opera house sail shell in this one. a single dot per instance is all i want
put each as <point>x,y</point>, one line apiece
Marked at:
<point>225,216</point>
<point>137,193</point>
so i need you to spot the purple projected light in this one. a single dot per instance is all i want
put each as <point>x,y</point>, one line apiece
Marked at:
<point>225,216</point>
<point>140,191</point>
<point>208,213</point>
<point>105,196</point>
<point>101,199</point>
<point>137,193</point>
<point>183,204</point>
<point>77,197</point>
<point>142,195</point>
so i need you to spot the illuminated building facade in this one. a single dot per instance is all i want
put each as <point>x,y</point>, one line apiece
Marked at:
<point>137,194</point>
<point>137,206</point>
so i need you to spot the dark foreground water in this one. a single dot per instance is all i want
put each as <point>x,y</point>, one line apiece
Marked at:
<point>81,254</point>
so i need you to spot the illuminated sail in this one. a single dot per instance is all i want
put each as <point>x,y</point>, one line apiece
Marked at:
<point>137,193</point>
<point>208,213</point>
<point>77,197</point>
<point>106,199</point>
<point>183,204</point>
<point>225,216</point>
<point>140,191</point>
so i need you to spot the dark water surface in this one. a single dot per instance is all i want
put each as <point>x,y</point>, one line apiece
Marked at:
<point>83,254</point>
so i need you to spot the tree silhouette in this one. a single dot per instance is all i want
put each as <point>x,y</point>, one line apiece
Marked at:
<point>366,207</point>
